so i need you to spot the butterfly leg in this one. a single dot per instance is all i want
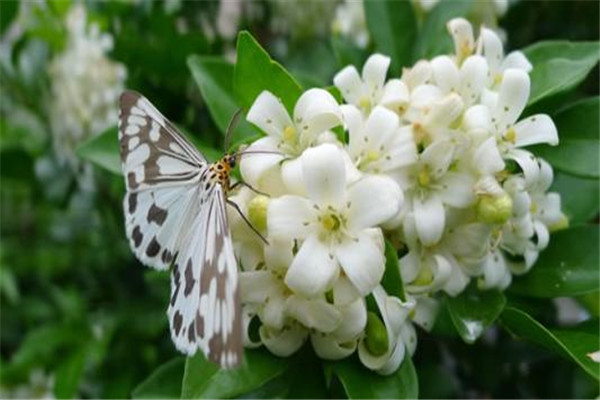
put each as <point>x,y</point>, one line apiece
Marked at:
<point>242,183</point>
<point>237,208</point>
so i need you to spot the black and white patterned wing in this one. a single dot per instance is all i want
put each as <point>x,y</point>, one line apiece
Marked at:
<point>204,311</point>
<point>162,170</point>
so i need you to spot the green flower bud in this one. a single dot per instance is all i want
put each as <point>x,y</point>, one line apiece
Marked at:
<point>377,339</point>
<point>494,209</point>
<point>257,212</point>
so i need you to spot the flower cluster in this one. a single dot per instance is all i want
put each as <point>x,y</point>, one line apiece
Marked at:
<point>86,85</point>
<point>434,165</point>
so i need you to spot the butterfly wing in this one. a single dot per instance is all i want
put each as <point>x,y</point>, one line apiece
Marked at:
<point>162,170</point>
<point>204,310</point>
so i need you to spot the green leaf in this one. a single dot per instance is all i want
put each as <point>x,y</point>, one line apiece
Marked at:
<point>361,383</point>
<point>205,380</point>
<point>69,374</point>
<point>577,152</point>
<point>103,150</point>
<point>474,310</point>
<point>347,53</point>
<point>214,77</point>
<point>305,376</point>
<point>255,71</point>
<point>559,66</point>
<point>433,38</point>
<point>579,197</point>
<point>163,383</point>
<point>568,267</point>
<point>8,11</point>
<point>392,280</point>
<point>393,28</point>
<point>572,343</point>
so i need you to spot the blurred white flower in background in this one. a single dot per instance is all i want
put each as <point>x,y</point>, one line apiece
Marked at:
<point>86,85</point>
<point>350,22</point>
<point>434,159</point>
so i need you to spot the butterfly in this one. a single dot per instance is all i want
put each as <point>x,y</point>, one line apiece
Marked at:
<point>175,214</point>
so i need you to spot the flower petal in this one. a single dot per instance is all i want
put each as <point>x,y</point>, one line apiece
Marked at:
<point>278,254</point>
<point>314,314</point>
<point>491,47</point>
<point>512,98</point>
<point>516,59</point>
<point>487,159</point>
<point>284,342</point>
<point>380,127</point>
<point>269,114</point>
<point>350,84</point>
<point>313,270</point>
<point>445,74</point>
<point>375,70</point>
<point>395,95</point>
<point>324,174</point>
<point>287,217</point>
<point>292,176</point>
<point>528,164</point>
<point>426,312</point>
<point>372,201</point>
<point>437,157</point>
<point>362,260</point>
<point>457,189</point>
<point>254,166</point>
<point>344,292</point>
<point>354,320</point>
<point>473,75</point>
<point>316,111</point>
<point>329,348</point>
<point>462,33</point>
<point>534,130</point>
<point>429,218</point>
<point>418,75</point>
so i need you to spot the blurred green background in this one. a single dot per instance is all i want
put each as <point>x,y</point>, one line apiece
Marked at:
<point>80,316</point>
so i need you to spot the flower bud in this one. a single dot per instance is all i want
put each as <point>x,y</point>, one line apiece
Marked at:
<point>494,209</point>
<point>377,339</point>
<point>257,212</point>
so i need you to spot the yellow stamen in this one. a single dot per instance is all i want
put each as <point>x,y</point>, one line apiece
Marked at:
<point>289,135</point>
<point>330,222</point>
<point>511,135</point>
<point>424,178</point>
<point>424,278</point>
<point>365,103</point>
<point>372,155</point>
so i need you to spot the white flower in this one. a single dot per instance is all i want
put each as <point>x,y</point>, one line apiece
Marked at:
<point>350,22</point>
<point>370,90</point>
<point>378,144</point>
<point>335,224</point>
<point>315,112</point>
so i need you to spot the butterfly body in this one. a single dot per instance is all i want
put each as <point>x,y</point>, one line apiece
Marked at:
<point>175,218</point>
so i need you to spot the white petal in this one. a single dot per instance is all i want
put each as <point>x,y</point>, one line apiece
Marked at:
<point>361,258</point>
<point>248,312</point>
<point>462,34</point>
<point>492,48</point>
<point>269,114</point>
<point>278,254</point>
<point>424,95</point>
<point>457,189</point>
<point>395,95</point>
<point>494,270</point>
<point>344,292</point>
<point>445,111</point>
<point>418,75</point>
<point>316,111</point>
<point>353,121</point>
<point>457,281</point>
<point>438,156</point>
<point>273,311</point>
<point>380,127</point>
<point>257,286</point>
<point>477,121</point>
<point>285,342</point>
<point>324,174</point>
<point>372,201</point>
<point>402,150</point>
<point>375,70</point>
<point>409,337</point>
<point>254,166</point>
<point>354,321</point>
<point>426,312</point>
<point>287,217</point>
<point>445,74</point>
<point>473,75</point>
<point>292,175</point>
<point>487,159</point>
<point>350,84</point>
<point>429,218</point>
<point>543,237</point>
<point>512,98</point>
<point>516,59</point>
<point>534,130</point>
<point>328,348</point>
<point>409,266</point>
<point>313,270</point>
<point>549,209</point>
<point>528,164</point>
<point>314,314</point>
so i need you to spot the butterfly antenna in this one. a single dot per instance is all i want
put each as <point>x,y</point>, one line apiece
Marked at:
<point>231,127</point>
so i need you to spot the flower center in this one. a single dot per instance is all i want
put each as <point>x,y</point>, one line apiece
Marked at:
<point>365,103</point>
<point>331,222</point>
<point>290,135</point>
<point>424,177</point>
<point>510,136</point>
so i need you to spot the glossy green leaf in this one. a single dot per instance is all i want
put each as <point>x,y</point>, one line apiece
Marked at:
<point>361,383</point>
<point>103,150</point>
<point>214,77</point>
<point>163,383</point>
<point>573,343</point>
<point>577,152</point>
<point>559,66</point>
<point>433,38</point>
<point>255,71</point>
<point>205,380</point>
<point>392,280</point>
<point>474,310</point>
<point>579,197</point>
<point>393,28</point>
<point>568,267</point>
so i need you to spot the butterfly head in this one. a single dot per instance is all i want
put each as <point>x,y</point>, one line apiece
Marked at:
<point>230,159</point>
